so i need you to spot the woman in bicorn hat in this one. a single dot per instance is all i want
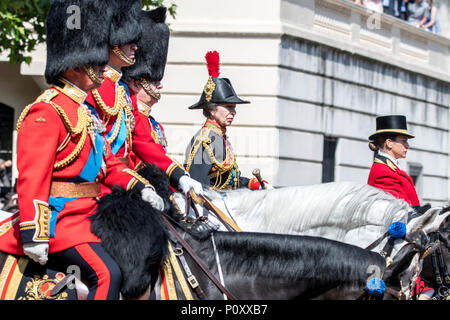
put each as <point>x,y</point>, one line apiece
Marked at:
<point>63,159</point>
<point>210,158</point>
<point>390,143</point>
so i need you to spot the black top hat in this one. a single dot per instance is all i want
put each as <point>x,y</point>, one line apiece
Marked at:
<point>151,56</point>
<point>125,27</point>
<point>217,90</point>
<point>391,125</point>
<point>77,43</point>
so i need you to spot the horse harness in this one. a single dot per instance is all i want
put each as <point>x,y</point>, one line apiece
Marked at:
<point>386,254</point>
<point>440,267</point>
<point>181,244</point>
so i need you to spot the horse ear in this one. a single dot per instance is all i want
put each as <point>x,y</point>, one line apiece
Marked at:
<point>426,220</point>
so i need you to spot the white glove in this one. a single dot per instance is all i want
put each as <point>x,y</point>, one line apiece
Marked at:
<point>187,183</point>
<point>38,251</point>
<point>268,186</point>
<point>153,198</point>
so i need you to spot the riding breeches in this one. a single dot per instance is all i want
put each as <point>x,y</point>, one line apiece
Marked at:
<point>96,267</point>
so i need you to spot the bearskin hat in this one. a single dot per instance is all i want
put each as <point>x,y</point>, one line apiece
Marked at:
<point>125,27</point>
<point>151,56</point>
<point>77,35</point>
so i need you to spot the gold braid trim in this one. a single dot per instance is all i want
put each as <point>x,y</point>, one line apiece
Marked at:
<point>119,102</point>
<point>136,177</point>
<point>128,122</point>
<point>200,140</point>
<point>74,154</point>
<point>46,97</point>
<point>84,121</point>
<point>219,167</point>
<point>120,105</point>
<point>116,128</point>
<point>22,116</point>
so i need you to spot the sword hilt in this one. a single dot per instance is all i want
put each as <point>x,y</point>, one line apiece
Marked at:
<point>257,173</point>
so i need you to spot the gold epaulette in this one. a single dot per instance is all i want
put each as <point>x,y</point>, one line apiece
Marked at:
<point>202,139</point>
<point>388,163</point>
<point>46,97</point>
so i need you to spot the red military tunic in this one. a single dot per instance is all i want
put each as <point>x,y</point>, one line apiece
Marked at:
<point>111,105</point>
<point>55,145</point>
<point>141,142</point>
<point>387,176</point>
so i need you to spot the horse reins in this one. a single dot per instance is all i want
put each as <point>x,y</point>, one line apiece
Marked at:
<point>440,267</point>
<point>197,259</point>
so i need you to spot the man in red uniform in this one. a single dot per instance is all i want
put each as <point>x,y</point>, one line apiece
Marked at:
<point>126,128</point>
<point>390,143</point>
<point>63,159</point>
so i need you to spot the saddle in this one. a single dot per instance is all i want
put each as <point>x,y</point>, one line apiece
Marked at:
<point>23,279</point>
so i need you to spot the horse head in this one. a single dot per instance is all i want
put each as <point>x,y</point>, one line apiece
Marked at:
<point>436,266</point>
<point>408,252</point>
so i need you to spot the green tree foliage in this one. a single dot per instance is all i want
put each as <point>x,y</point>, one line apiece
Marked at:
<point>22,25</point>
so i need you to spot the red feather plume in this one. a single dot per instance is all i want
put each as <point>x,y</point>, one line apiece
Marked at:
<point>213,63</point>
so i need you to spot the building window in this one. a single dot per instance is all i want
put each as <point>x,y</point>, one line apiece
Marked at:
<point>329,159</point>
<point>415,172</point>
<point>6,131</point>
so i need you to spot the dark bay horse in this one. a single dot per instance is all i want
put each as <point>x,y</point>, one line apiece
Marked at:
<point>436,266</point>
<point>253,265</point>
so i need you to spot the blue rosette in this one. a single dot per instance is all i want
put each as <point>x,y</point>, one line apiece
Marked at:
<point>397,229</point>
<point>375,287</point>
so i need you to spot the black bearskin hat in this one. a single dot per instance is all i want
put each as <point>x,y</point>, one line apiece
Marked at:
<point>151,56</point>
<point>125,27</point>
<point>77,35</point>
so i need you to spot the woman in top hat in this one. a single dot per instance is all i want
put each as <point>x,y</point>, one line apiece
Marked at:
<point>390,143</point>
<point>209,157</point>
<point>63,159</point>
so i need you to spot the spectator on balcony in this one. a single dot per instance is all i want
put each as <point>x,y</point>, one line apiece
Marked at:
<point>388,7</point>
<point>418,10</point>
<point>375,5</point>
<point>431,22</point>
<point>396,8</point>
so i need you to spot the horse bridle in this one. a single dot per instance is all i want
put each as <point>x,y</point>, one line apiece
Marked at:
<point>197,260</point>
<point>386,254</point>
<point>440,267</point>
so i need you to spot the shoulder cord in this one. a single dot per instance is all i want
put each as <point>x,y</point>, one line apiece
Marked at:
<point>80,128</point>
<point>119,101</point>
<point>203,140</point>
<point>120,104</point>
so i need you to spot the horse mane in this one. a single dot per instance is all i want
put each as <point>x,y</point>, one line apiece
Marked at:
<point>294,257</point>
<point>160,182</point>
<point>313,208</point>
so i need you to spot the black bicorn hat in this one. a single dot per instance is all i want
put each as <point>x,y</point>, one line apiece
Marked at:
<point>391,125</point>
<point>77,35</point>
<point>217,90</point>
<point>153,46</point>
<point>125,26</point>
